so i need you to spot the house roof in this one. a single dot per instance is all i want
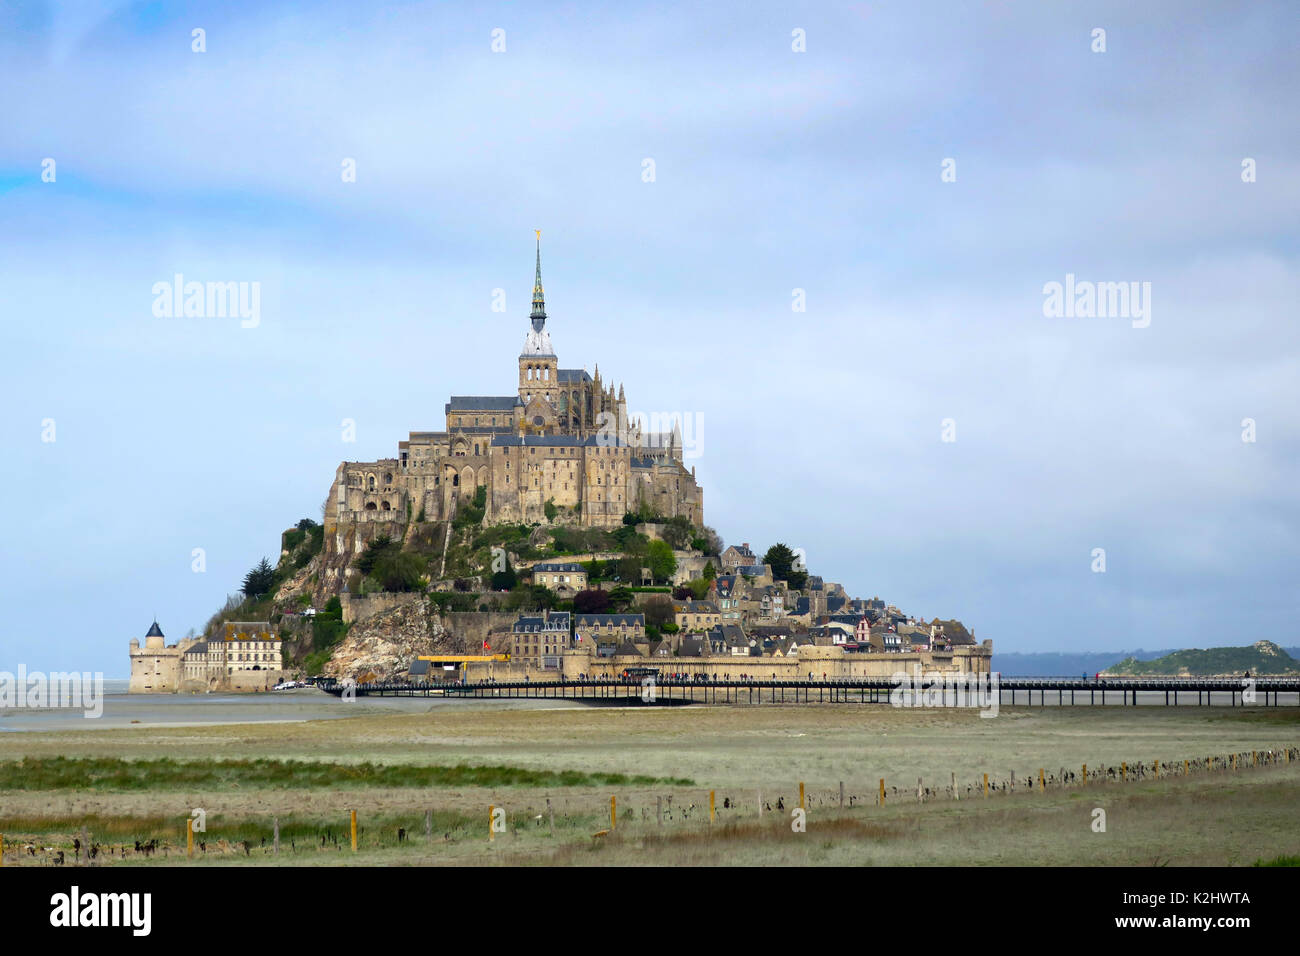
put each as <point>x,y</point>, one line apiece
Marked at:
<point>154,630</point>
<point>605,620</point>
<point>483,403</point>
<point>692,647</point>
<point>568,375</point>
<point>549,441</point>
<point>695,607</point>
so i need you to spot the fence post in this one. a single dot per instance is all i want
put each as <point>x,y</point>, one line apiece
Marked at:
<point>189,837</point>
<point>841,794</point>
<point>659,810</point>
<point>613,811</point>
<point>1085,775</point>
<point>882,791</point>
<point>276,822</point>
<point>1042,784</point>
<point>711,793</point>
<point>492,813</point>
<point>354,830</point>
<point>986,786</point>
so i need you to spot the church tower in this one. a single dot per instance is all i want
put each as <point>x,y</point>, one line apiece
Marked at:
<point>539,385</point>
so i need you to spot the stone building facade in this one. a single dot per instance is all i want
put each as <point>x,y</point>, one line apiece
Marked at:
<point>245,657</point>
<point>563,442</point>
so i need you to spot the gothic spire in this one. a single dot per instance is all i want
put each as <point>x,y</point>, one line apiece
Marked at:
<point>539,298</point>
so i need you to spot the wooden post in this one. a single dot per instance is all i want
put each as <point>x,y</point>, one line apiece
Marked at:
<point>354,830</point>
<point>1157,769</point>
<point>882,791</point>
<point>1042,784</point>
<point>1187,768</point>
<point>659,810</point>
<point>801,795</point>
<point>986,786</point>
<point>189,837</point>
<point>711,812</point>
<point>1123,771</point>
<point>1085,775</point>
<point>492,832</point>
<point>919,791</point>
<point>841,794</point>
<point>276,839</point>
<point>955,794</point>
<point>613,811</point>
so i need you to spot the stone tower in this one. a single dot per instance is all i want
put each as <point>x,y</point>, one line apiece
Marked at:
<point>538,366</point>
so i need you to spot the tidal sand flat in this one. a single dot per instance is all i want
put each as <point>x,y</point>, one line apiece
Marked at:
<point>555,770</point>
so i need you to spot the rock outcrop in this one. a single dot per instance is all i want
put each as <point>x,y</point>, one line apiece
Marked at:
<point>385,645</point>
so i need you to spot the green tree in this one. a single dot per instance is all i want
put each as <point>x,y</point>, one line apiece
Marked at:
<point>379,547</point>
<point>620,599</point>
<point>399,571</point>
<point>259,580</point>
<point>594,601</point>
<point>550,510</point>
<point>678,532</point>
<point>505,580</point>
<point>660,560</point>
<point>659,612</point>
<point>781,560</point>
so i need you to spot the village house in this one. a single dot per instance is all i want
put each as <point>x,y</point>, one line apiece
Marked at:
<point>565,579</point>
<point>696,615</point>
<point>539,640</point>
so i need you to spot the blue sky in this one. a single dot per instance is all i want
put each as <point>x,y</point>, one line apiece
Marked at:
<point>775,171</point>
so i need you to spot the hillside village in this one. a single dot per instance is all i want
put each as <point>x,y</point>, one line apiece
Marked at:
<point>550,533</point>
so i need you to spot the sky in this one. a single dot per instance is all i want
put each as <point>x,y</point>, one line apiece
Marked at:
<point>835,262</point>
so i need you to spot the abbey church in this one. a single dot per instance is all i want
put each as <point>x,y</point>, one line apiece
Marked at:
<point>562,443</point>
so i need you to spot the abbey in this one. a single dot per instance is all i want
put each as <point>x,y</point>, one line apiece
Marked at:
<point>560,447</point>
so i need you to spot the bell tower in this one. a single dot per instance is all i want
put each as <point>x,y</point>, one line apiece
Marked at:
<point>538,366</point>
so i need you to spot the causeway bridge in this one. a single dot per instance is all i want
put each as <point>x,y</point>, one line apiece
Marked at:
<point>974,690</point>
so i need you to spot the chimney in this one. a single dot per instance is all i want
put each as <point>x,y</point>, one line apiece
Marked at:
<point>745,545</point>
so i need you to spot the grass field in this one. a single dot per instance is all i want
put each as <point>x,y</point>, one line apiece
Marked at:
<point>139,784</point>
